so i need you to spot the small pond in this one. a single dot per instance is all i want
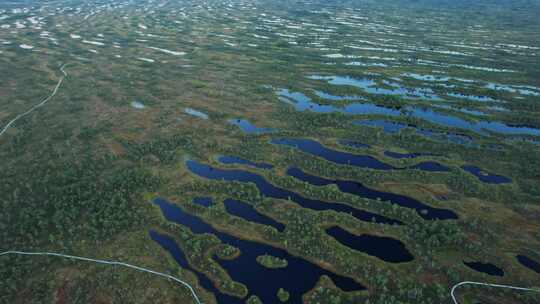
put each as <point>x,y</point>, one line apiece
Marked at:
<point>529,263</point>
<point>196,113</point>
<point>137,105</point>
<point>385,248</point>
<point>486,268</point>
<point>485,176</point>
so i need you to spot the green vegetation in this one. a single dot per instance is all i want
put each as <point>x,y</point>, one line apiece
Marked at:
<point>283,295</point>
<point>79,174</point>
<point>253,300</point>
<point>271,261</point>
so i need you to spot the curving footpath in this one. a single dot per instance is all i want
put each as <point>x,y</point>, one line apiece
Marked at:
<point>42,103</point>
<point>487,284</point>
<point>73,257</point>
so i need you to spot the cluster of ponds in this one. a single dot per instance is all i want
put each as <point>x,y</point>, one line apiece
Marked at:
<point>269,190</point>
<point>522,90</point>
<point>298,277</point>
<point>265,282</point>
<point>352,187</point>
<point>395,88</point>
<point>364,161</point>
<point>370,86</point>
<point>301,102</point>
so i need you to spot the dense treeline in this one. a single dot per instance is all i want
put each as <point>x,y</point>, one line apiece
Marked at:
<point>165,150</point>
<point>53,197</point>
<point>54,203</point>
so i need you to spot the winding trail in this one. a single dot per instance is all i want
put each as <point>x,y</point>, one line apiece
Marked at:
<point>42,103</point>
<point>73,257</point>
<point>486,284</point>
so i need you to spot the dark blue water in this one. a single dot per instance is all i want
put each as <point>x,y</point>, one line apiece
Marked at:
<point>269,190</point>
<point>404,155</point>
<point>247,212</point>
<point>344,158</point>
<point>355,188</point>
<point>202,201</point>
<point>385,248</point>
<point>297,278</point>
<point>362,161</point>
<point>353,144</point>
<point>486,268</point>
<point>170,245</point>
<point>249,128</point>
<point>529,263</point>
<point>485,176</point>
<point>232,160</point>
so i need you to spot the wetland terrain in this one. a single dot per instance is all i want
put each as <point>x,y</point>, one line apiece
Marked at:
<point>301,151</point>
